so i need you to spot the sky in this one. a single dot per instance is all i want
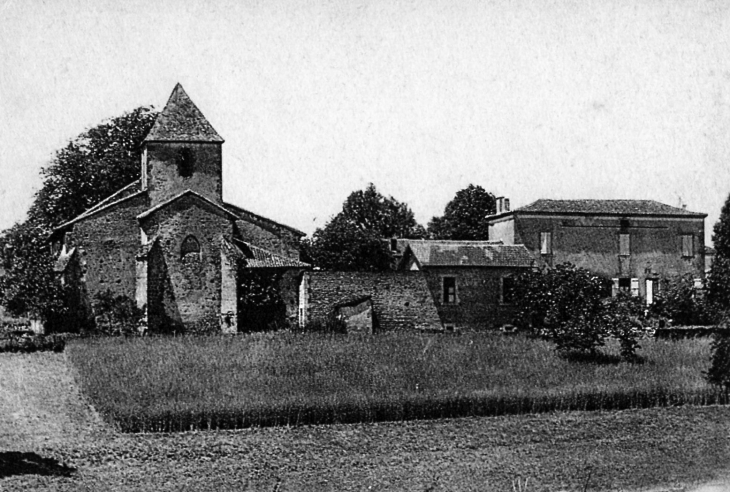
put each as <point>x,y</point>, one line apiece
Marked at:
<point>316,99</point>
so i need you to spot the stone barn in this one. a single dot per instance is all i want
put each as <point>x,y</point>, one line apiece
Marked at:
<point>170,242</point>
<point>471,282</point>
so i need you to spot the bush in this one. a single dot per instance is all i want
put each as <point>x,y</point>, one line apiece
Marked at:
<point>624,318</point>
<point>22,342</point>
<point>684,304</point>
<point>117,315</point>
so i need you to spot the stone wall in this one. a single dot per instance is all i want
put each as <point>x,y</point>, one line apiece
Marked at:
<point>192,284</point>
<point>164,180</point>
<point>478,303</point>
<point>401,300</point>
<point>107,246</point>
<point>267,235</point>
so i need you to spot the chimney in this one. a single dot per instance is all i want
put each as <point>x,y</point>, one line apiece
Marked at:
<point>506,204</point>
<point>500,201</point>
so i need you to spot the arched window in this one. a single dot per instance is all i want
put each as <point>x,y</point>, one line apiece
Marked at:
<point>185,162</point>
<point>190,249</point>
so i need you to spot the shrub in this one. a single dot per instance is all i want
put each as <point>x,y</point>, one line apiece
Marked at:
<point>624,318</point>
<point>116,314</point>
<point>680,301</point>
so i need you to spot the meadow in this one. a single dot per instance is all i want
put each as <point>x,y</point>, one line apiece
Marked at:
<point>190,383</point>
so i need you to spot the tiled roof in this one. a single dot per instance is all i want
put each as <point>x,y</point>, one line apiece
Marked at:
<point>191,193</point>
<point>246,214</point>
<point>614,207</point>
<point>256,257</point>
<point>469,253</point>
<point>181,121</point>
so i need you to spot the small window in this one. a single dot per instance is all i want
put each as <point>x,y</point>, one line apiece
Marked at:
<point>449,290</point>
<point>449,327</point>
<point>190,249</point>
<point>688,246</point>
<point>624,247</point>
<point>508,290</point>
<point>546,243</point>
<point>185,162</point>
<point>394,244</point>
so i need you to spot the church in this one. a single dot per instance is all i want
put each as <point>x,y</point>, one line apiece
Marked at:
<point>170,242</point>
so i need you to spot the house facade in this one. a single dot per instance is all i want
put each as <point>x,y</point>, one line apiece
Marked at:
<point>471,282</point>
<point>169,241</point>
<point>636,243</point>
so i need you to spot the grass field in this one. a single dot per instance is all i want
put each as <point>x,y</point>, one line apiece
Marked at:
<point>174,384</point>
<point>50,440</point>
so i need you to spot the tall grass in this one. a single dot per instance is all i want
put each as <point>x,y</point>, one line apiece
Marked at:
<point>169,384</point>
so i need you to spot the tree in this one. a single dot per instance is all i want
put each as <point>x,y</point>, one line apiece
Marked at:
<point>464,216</point>
<point>572,307</point>
<point>91,167</point>
<point>718,284</point>
<point>353,239</point>
<point>564,304</point>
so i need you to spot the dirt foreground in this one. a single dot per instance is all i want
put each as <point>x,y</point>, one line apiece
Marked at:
<point>50,439</point>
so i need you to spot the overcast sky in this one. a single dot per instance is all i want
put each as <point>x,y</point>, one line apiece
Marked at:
<point>529,99</point>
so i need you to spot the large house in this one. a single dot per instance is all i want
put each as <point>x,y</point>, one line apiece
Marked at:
<point>634,242</point>
<point>169,241</point>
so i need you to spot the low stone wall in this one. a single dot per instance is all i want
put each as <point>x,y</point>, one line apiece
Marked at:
<point>401,300</point>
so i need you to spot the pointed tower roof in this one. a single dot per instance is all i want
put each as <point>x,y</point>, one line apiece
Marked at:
<point>181,121</point>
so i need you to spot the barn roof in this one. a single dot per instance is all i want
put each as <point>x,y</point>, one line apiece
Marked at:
<point>469,253</point>
<point>181,121</point>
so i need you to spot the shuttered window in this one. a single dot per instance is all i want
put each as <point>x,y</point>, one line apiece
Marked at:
<point>546,243</point>
<point>624,247</point>
<point>688,246</point>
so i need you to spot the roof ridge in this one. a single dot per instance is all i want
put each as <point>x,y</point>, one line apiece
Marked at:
<point>261,217</point>
<point>95,210</point>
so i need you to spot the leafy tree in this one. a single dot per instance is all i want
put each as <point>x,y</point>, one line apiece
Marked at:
<point>464,216</point>
<point>718,284</point>
<point>91,167</point>
<point>572,307</point>
<point>353,239</point>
